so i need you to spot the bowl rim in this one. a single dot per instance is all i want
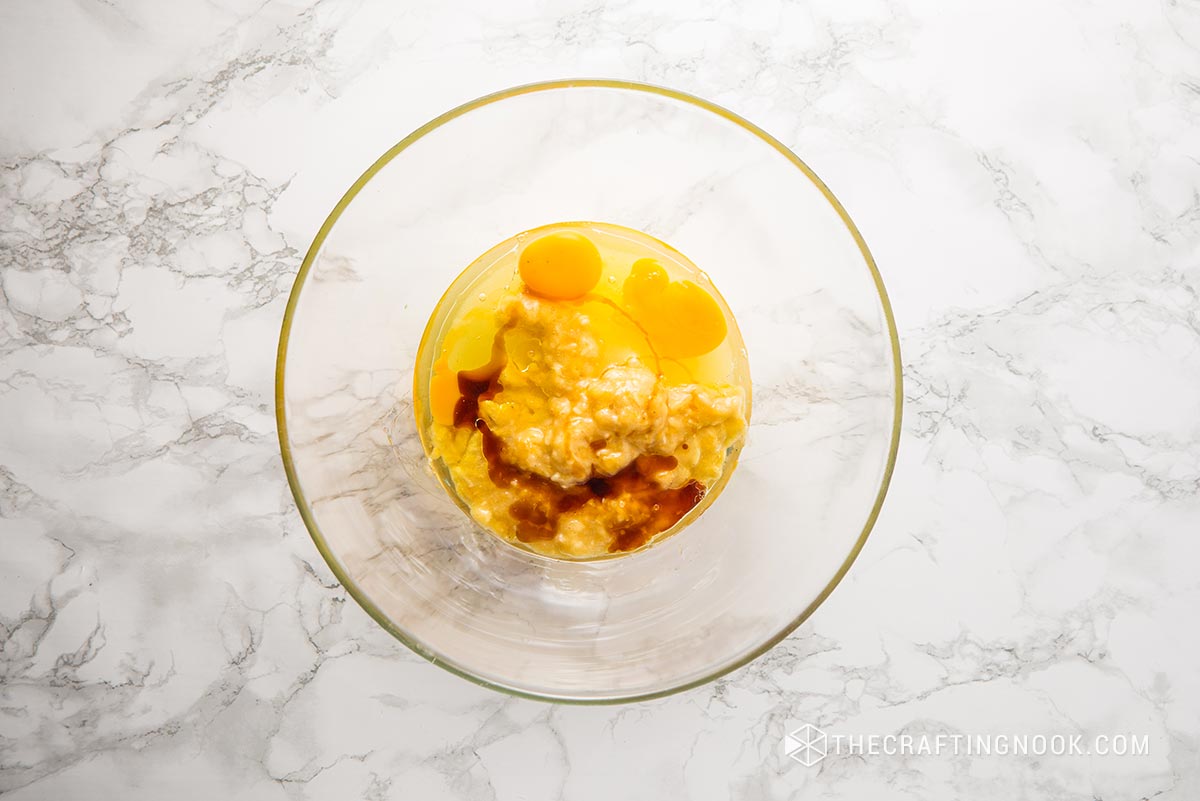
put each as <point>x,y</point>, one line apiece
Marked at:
<point>302,504</point>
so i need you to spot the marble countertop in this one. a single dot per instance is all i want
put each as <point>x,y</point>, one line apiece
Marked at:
<point>1028,177</point>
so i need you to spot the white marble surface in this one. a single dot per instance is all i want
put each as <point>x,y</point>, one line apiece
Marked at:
<point>1028,177</point>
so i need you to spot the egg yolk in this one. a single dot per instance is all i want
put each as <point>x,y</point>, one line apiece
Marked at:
<point>443,393</point>
<point>680,318</point>
<point>470,346</point>
<point>560,266</point>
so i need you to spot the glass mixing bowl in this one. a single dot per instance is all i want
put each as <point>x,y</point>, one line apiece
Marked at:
<point>824,360</point>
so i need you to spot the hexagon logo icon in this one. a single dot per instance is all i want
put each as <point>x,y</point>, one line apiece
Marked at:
<point>808,745</point>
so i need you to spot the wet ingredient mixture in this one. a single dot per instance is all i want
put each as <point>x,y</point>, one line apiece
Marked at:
<point>587,389</point>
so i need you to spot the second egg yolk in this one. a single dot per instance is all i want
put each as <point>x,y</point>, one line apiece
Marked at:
<point>560,266</point>
<point>681,319</point>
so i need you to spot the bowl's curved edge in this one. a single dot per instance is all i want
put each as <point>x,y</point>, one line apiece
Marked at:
<point>281,363</point>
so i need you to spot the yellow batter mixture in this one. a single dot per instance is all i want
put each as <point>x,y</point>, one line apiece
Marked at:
<point>589,402</point>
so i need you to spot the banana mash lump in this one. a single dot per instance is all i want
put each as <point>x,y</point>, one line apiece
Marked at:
<point>593,414</point>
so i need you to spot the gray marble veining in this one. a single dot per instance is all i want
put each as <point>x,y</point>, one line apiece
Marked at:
<point>1028,178</point>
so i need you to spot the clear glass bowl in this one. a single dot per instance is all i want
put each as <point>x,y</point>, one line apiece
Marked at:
<point>824,360</point>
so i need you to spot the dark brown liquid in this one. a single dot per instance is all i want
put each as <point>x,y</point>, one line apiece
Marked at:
<point>650,509</point>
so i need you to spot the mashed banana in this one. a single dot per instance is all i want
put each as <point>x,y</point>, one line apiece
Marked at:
<point>566,414</point>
